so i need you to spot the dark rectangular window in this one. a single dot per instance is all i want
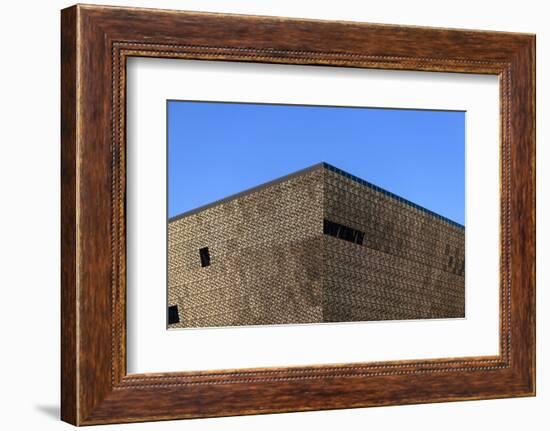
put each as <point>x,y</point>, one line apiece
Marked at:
<point>205,256</point>
<point>173,316</point>
<point>343,232</point>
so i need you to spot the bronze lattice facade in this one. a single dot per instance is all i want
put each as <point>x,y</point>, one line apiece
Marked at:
<point>316,246</point>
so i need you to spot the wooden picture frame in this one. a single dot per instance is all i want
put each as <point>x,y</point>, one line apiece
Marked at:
<point>95,43</point>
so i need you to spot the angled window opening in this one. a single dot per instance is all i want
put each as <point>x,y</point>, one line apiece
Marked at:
<point>205,256</point>
<point>345,233</point>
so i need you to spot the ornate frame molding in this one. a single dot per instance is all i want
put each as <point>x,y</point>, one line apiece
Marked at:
<point>96,41</point>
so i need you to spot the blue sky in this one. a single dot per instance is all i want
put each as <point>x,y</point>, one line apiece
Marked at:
<point>218,149</point>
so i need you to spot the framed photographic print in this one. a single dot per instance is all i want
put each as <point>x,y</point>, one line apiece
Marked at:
<point>264,214</point>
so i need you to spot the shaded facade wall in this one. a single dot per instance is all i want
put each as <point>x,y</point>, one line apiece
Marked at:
<point>270,262</point>
<point>266,258</point>
<point>410,264</point>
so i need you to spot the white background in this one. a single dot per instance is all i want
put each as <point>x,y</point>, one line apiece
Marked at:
<point>29,228</point>
<point>151,348</point>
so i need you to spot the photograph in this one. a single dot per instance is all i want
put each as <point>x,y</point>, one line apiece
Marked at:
<point>283,214</point>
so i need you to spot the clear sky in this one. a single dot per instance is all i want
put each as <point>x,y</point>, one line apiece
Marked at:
<point>218,149</point>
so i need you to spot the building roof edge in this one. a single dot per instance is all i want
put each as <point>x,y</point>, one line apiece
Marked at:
<point>308,170</point>
<point>249,191</point>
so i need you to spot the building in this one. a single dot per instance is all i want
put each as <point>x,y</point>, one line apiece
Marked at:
<point>319,245</point>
